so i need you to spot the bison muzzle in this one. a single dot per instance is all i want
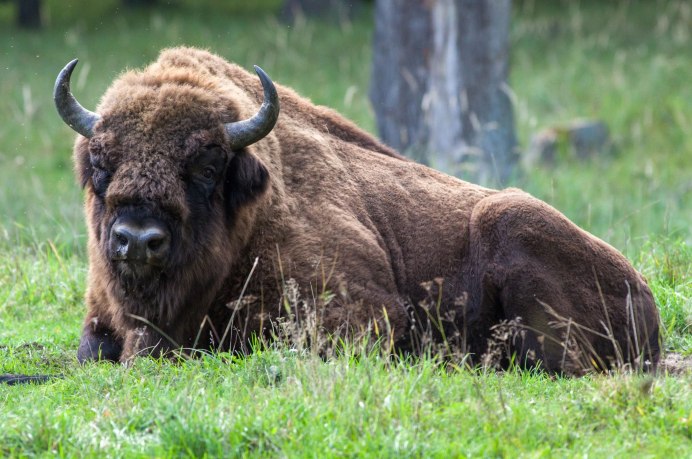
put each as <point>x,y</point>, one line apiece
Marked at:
<point>211,218</point>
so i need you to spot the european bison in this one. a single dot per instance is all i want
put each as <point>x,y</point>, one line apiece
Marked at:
<point>188,183</point>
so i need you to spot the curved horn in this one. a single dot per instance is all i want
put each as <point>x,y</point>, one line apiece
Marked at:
<point>72,113</point>
<point>247,132</point>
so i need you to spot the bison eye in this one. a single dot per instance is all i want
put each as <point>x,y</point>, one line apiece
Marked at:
<point>100,178</point>
<point>209,173</point>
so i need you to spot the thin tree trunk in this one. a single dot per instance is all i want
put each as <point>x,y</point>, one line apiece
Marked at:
<point>138,3</point>
<point>336,10</point>
<point>29,13</point>
<point>439,84</point>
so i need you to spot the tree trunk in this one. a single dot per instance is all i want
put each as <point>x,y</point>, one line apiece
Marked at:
<point>29,13</point>
<point>138,3</point>
<point>439,85</point>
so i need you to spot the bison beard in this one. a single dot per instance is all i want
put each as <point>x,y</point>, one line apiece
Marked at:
<point>188,182</point>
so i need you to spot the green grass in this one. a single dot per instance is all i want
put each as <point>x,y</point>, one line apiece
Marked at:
<point>626,63</point>
<point>276,403</point>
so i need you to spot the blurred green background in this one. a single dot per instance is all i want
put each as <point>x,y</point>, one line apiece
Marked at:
<point>624,62</point>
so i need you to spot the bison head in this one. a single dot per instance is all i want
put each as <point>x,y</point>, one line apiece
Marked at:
<point>167,171</point>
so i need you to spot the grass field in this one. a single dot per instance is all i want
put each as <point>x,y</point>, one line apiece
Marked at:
<point>627,63</point>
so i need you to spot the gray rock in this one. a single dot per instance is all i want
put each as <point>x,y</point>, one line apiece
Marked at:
<point>581,139</point>
<point>588,138</point>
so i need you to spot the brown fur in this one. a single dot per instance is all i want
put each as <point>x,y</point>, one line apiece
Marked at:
<point>322,202</point>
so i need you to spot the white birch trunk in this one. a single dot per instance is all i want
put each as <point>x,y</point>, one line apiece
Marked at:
<point>439,86</point>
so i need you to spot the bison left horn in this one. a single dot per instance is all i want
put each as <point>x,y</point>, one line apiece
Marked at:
<point>77,117</point>
<point>247,132</point>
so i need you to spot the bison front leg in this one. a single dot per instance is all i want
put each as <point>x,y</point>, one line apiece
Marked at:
<point>146,341</point>
<point>98,342</point>
<point>578,302</point>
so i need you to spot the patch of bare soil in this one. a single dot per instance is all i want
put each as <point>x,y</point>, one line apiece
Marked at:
<point>676,364</point>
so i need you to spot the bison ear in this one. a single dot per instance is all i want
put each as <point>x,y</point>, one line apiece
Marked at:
<point>83,167</point>
<point>246,180</point>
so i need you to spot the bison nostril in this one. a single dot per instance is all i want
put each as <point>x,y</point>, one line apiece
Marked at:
<point>156,241</point>
<point>154,244</point>
<point>121,239</point>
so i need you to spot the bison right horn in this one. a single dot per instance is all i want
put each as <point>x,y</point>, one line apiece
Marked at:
<point>72,113</point>
<point>247,132</point>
